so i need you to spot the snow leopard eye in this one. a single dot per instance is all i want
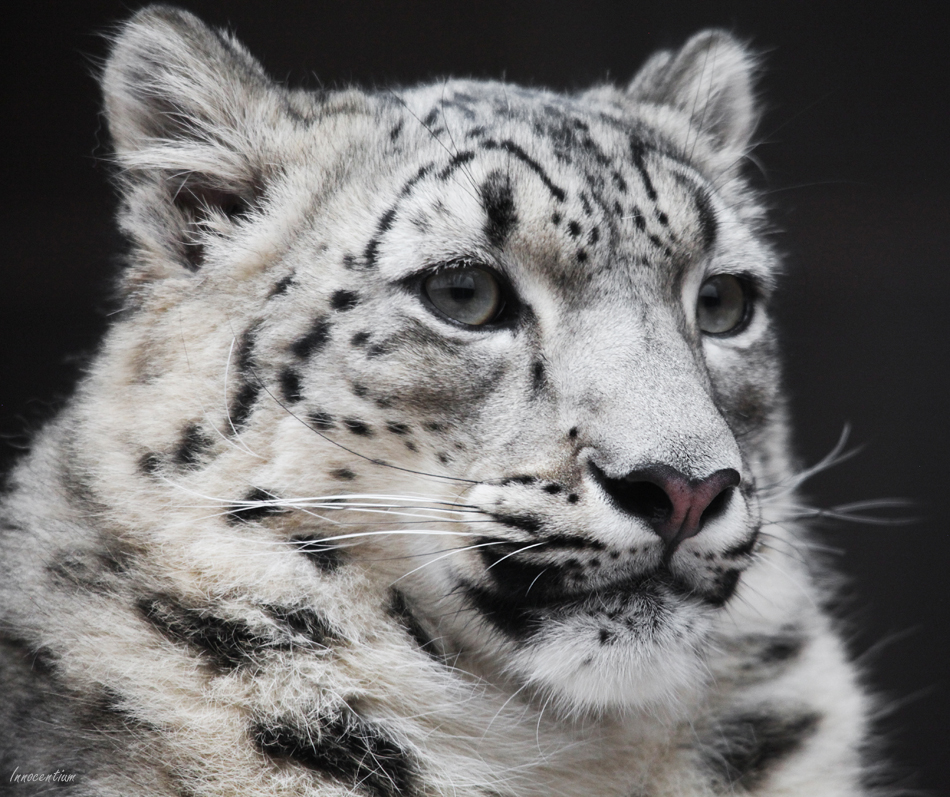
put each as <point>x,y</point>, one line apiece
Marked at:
<point>723,305</point>
<point>466,294</point>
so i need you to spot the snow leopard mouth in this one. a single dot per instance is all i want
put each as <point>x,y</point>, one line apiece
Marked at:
<point>521,597</point>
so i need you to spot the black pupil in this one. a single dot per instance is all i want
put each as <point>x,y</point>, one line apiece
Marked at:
<point>710,297</point>
<point>464,292</point>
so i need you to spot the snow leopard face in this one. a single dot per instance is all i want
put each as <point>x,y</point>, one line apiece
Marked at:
<point>501,355</point>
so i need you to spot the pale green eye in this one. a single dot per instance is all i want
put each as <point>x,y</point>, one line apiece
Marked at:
<point>467,294</point>
<point>722,306</point>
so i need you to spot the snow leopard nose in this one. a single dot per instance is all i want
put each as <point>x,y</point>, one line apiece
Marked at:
<point>675,506</point>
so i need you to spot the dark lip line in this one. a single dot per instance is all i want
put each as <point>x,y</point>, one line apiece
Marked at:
<point>659,576</point>
<point>630,585</point>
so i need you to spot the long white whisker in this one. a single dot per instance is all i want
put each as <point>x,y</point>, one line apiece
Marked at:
<point>443,556</point>
<point>513,553</point>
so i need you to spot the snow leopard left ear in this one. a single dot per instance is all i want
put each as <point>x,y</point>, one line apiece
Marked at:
<point>710,80</point>
<point>190,113</point>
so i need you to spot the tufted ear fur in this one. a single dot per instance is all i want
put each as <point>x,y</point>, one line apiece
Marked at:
<point>710,80</point>
<point>189,112</point>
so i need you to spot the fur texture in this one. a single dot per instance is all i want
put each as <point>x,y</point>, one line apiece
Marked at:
<point>439,449</point>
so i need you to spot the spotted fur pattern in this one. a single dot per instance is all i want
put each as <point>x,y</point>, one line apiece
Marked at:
<point>301,532</point>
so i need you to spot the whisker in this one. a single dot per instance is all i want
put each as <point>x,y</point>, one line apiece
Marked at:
<point>836,456</point>
<point>443,556</point>
<point>513,553</point>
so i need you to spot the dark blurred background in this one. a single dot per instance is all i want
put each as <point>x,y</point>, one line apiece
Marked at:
<point>853,148</point>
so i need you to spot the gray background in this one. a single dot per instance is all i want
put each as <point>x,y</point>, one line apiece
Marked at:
<point>853,147</point>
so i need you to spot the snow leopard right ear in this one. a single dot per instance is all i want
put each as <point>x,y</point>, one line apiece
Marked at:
<point>190,112</point>
<point>710,81</point>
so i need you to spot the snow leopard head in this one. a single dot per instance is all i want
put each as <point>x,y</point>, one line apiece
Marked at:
<point>502,353</point>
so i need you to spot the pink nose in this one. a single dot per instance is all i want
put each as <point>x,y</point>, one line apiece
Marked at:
<point>675,506</point>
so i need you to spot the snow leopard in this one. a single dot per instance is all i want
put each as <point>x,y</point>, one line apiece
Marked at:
<point>438,447</point>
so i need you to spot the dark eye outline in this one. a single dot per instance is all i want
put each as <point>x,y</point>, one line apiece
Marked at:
<point>508,308</point>
<point>749,297</point>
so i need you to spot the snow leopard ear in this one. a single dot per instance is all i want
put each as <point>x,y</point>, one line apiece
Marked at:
<point>710,80</point>
<point>189,112</point>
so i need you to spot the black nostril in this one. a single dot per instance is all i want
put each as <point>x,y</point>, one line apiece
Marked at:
<point>643,499</point>
<point>717,506</point>
<point>675,506</point>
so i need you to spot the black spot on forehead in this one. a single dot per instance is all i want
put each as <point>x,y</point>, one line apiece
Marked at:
<point>457,161</point>
<point>344,300</point>
<point>342,474</point>
<point>419,175</point>
<point>498,202</point>
<point>638,150</point>
<point>382,227</point>
<point>513,149</point>
<point>707,218</point>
